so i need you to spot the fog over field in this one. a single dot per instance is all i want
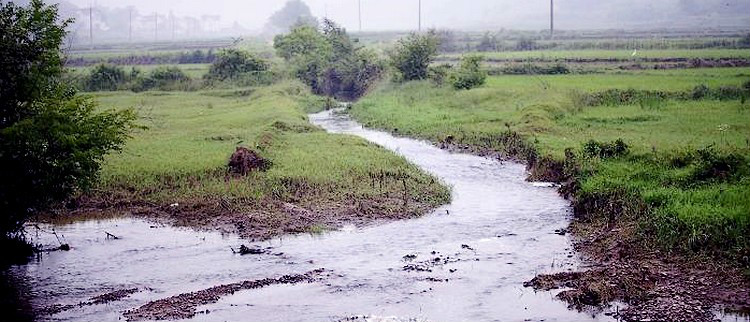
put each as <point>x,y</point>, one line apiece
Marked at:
<point>250,16</point>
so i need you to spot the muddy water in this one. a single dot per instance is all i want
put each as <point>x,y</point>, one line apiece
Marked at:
<point>465,261</point>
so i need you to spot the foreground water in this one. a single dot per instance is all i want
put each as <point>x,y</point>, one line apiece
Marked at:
<point>498,232</point>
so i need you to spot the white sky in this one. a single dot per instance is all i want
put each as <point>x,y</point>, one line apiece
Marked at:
<point>468,14</point>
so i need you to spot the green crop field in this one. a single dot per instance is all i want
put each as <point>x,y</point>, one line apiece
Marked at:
<point>617,54</point>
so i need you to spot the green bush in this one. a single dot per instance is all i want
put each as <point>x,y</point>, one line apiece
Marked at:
<point>603,150</point>
<point>329,61</point>
<point>439,74</point>
<point>105,77</point>
<point>162,78</point>
<point>52,141</point>
<point>470,74</point>
<point>412,56</point>
<point>233,64</point>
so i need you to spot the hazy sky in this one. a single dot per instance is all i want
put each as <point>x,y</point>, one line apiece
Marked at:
<point>469,14</point>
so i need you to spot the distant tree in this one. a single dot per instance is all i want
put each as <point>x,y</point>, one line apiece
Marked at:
<point>412,55</point>
<point>52,141</point>
<point>488,42</point>
<point>294,13</point>
<point>105,77</point>
<point>469,74</point>
<point>328,60</point>
<point>745,41</point>
<point>447,41</point>
<point>526,44</point>
<point>234,63</point>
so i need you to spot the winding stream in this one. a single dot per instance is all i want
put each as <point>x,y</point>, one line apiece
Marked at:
<point>498,232</point>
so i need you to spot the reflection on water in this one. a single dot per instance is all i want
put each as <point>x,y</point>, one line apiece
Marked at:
<point>467,263</point>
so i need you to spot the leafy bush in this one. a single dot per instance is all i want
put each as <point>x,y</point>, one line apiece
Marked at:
<point>470,74</point>
<point>162,78</point>
<point>233,64</point>
<point>603,150</point>
<point>52,141</point>
<point>533,69</point>
<point>329,61</point>
<point>439,74</point>
<point>105,77</point>
<point>412,56</point>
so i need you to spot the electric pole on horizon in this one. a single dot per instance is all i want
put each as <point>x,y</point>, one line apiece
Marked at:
<point>551,18</point>
<point>156,26</point>
<point>359,10</point>
<point>419,24</point>
<point>130,24</point>
<point>91,26</point>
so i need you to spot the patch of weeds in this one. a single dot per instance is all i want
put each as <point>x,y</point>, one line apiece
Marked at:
<point>603,150</point>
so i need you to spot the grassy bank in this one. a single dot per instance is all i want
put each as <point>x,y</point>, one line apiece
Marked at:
<point>683,173</point>
<point>316,180</point>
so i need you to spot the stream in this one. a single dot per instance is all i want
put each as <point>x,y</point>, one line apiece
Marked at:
<point>464,261</point>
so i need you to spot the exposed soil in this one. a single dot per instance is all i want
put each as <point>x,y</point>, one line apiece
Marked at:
<point>656,286</point>
<point>251,219</point>
<point>100,299</point>
<point>183,306</point>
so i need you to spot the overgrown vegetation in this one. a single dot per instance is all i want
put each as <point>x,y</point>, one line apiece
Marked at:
<point>469,74</point>
<point>411,57</point>
<point>52,141</point>
<point>233,65</point>
<point>329,61</point>
<point>309,168</point>
<point>670,154</point>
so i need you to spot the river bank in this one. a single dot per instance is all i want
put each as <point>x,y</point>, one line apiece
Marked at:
<point>634,208</point>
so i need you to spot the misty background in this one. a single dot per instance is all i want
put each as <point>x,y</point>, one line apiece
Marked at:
<point>143,20</point>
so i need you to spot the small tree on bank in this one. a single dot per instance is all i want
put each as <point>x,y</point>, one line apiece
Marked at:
<point>52,141</point>
<point>413,55</point>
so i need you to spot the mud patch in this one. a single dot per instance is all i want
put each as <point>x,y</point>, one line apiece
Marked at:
<point>655,286</point>
<point>183,306</point>
<point>96,300</point>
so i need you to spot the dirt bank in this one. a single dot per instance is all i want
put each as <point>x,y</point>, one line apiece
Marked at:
<point>251,219</point>
<point>654,284</point>
<point>183,306</point>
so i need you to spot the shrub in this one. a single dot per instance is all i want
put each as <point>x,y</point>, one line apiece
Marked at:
<point>233,64</point>
<point>470,74</point>
<point>439,74</point>
<point>329,61</point>
<point>105,77</point>
<point>603,150</point>
<point>412,56</point>
<point>162,78</point>
<point>700,91</point>
<point>52,141</point>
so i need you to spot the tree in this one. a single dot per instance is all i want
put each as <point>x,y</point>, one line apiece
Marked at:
<point>294,13</point>
<point>412,56</point>
<point>52,141</point>
<point>328,60</point>
<point>470,74</point>
<point>234,63</point>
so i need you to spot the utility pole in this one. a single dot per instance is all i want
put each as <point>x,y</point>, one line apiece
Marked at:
<point>171,21</point>
<point>156,26</point>
<point>551,18</point>
<point>419,27</point>
<point>359,9</point>
<point>130,24</point>
<point>91,26</point>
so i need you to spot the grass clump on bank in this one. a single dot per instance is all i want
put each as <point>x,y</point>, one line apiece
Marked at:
<point>315,178</point>
<point>676,163</point>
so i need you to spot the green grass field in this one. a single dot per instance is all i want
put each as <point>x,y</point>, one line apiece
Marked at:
<point>667,169</point>
<point>617,54</point>
<point>183,154</point>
